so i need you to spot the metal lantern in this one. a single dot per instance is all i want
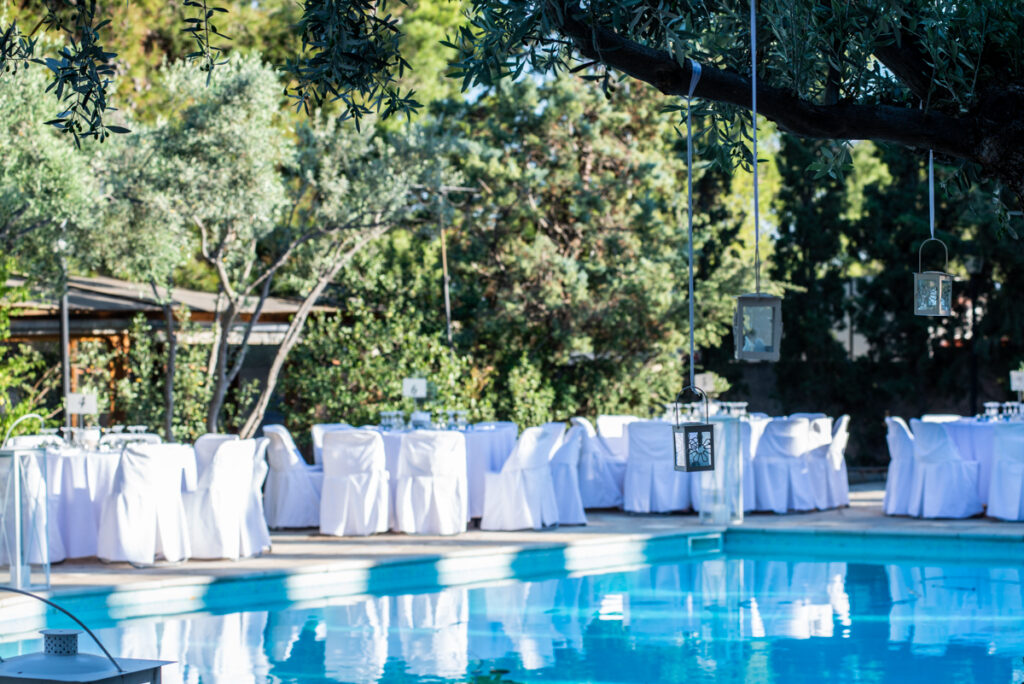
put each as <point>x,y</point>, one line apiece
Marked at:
<point>933,290</point>
<point>757,327</point>
<point>693,443</point>
<point>61,662</point>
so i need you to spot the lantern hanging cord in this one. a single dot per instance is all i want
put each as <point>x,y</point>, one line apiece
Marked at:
<point>753,109</point>
<point>694,78</point>
<point>931,193</point>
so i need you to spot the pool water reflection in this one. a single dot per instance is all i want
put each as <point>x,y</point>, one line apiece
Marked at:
<point>724,619</point>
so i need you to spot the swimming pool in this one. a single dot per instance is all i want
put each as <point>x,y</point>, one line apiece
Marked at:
<point>719,619</point>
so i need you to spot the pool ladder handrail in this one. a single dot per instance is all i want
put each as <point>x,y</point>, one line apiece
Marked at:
<point>81,624</point>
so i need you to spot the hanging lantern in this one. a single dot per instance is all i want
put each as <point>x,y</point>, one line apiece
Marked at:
<point>933,290</point>
<point>693,443</point>
<point>757,327</point>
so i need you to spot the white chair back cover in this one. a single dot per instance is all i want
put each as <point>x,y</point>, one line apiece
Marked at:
<point>940,417</point>
<point>932,443</point>
<point>652,485</point>
<point>1006,483</point>
<point>601,473</point>
<point>565,477</point>
<point>355,496</point>
<point>785,437</point>
<point>944,484</point>
<point>784,479</point>
<point>216,511</point>
<point>281,452</point>
<point>522,495</point>
<point>318,431</point>
<point>292,495</point>
<point>256,533</point>
<point>840,438</point>
<point>613,431</point>
<point>431,491</point>
<point>535,447</point>
<point>144,517</point>
<point>206,446</point>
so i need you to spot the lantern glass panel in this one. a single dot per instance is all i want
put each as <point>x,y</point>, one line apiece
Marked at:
<point>933,294</point>
<point>694,447</point>
<point>758,329</point>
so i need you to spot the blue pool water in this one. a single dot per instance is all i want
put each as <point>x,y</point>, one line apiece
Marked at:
<point>720,619</point>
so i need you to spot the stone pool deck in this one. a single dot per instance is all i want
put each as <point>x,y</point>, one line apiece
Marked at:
<point>302,564</point>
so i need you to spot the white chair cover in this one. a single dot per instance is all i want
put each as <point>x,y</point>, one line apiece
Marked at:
<point>216,511</point>
<point>782,473</point>
<point>900,477</point>
<point>255,533</point>
<point>565,476</point>
<point>522,494</point>
<point>1006,488</point>
<point>652,485</point>
<point>940,418</point>
<point>601,473</point>
<point>751,431</point>
<point>292,494</point>
<point>354,500</point>
<point>431,488</point>
<point>206,446</point>
<point>944,485</point>
<point>829,481</point>
<point>318,431</point>
<point>613,431</point>
<point>145,517</point>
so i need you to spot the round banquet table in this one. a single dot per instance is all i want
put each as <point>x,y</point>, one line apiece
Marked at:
<point>485,447</point>
<point>79,482</point>
<point>975,439</point>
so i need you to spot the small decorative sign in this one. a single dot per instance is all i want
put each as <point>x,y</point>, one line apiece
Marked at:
<point>1017,381</point>
<point>414,388</point>
<point>81,403</point>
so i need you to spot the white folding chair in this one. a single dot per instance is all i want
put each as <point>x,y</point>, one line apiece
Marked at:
<point>292,494</point>
<point>145,518</point>
<point>601,473</point>
<point>652,485</point>
<point>255,532</point>
<point>612,430</point>
<point>522,494</point>
<point>206,446</point>
<point>945,485</point>
<point>899,478</point>
<point>1006,486</point>
<point>565,476</point>
<point>318,431</point>
<point>431,488</point>
<point>354,500</point>
<point>831,485</point>
<point>216,511</point>
<point>782,473</point>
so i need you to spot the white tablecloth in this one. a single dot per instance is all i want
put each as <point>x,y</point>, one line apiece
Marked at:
<point>486,450</point>
<point>79,482</point>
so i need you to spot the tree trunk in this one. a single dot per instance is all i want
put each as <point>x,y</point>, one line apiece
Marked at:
<point>172,352</point>
<point>294,333</point>
<point>220,372</point>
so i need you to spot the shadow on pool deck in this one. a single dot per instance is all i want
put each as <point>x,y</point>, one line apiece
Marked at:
<point>302,561</point>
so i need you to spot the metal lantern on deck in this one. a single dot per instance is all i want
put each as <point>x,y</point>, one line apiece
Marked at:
<point>757,327</point>
<point>61,662</point>
<point>693,443</point>
<point>933,290</point>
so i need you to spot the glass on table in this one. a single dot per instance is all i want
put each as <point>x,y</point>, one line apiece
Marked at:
<point>462,420</point>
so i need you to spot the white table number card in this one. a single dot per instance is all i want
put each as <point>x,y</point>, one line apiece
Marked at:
<point>414,388</point>
<point>1017,381</point>
<point>81,403</point>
